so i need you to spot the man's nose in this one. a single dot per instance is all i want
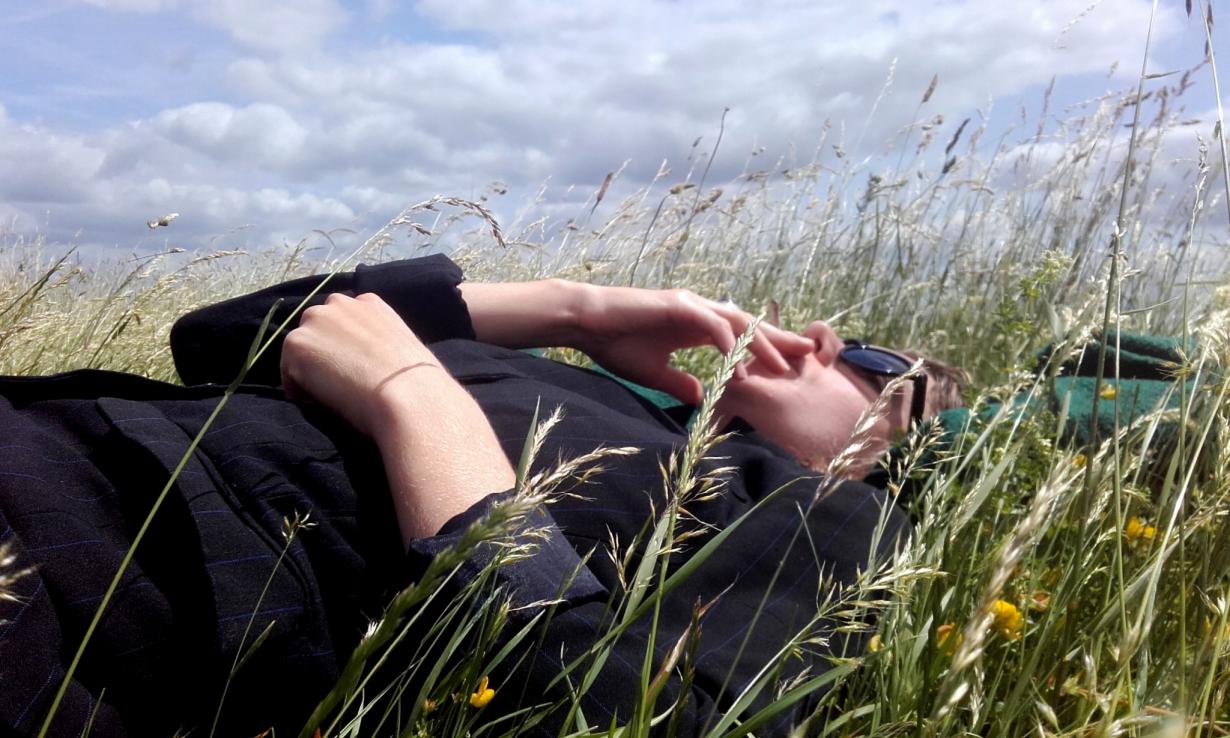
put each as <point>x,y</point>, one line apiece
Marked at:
<point>828,343</point>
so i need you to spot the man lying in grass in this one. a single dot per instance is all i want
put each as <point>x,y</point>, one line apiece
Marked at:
<point>407,404</point>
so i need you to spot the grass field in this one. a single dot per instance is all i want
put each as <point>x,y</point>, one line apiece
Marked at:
<point>1047,590</point>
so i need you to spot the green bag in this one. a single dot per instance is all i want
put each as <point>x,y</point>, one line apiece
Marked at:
<point>1147,370</point>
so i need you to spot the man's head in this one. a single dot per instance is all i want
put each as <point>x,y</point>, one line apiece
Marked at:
<point>813,409</point>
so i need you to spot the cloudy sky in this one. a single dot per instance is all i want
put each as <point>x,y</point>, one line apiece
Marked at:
<point>261,121</point>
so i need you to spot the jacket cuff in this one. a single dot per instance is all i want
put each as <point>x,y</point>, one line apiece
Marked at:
<point>537,578</point>
<point>424,292</point>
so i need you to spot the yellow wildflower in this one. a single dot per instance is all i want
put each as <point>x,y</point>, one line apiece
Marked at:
<point>1137,530</point>
<point>948,638</point>
<point>1108,392</point>
<point>482,695</point>
<point>1006,619</point>
<point>876,644</point>
<point>429,706</point>
<point>1080,460</point>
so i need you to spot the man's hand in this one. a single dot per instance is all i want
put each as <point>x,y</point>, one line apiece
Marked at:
<point>358,358</point>
<point>630,331</point>
<point>352,355</point>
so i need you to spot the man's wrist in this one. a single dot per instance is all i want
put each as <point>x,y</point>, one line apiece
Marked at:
<point>588,301</point>
<point>409,393</point>
<point>578,300</point>
<point>440,453</point>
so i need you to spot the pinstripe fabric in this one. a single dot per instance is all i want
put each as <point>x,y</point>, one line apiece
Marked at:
<point>72,505</point>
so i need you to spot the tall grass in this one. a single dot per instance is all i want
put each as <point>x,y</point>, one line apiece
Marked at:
<point>1046,590</point>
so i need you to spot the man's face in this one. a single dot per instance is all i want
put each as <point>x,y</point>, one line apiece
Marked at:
<point>813,409</point>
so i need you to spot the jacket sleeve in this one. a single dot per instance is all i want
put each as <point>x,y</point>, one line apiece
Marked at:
<point>35,645</point>
<point>210,345</point>
<point>580,617</point>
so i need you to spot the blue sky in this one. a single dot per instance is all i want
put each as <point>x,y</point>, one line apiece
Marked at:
<point>260,122</point>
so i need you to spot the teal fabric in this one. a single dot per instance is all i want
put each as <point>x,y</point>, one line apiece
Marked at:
<point>1147,368</point>
<point>657,397</point>
<point>1147,371</point>
<point>1140,356</point>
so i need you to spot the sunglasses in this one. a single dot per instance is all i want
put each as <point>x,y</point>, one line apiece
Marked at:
<point>881,362</point>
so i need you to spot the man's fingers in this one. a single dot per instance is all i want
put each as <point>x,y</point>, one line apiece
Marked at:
<point>764,350</point>
<point>789,342</point>
<point>378,303</point>
<point>764,346</point>
<point>761,347</point>
<point>681,385</point>
<point>771,345</point>
<point>287,366</point>
<point>720,332</point>
<point>725,336</point>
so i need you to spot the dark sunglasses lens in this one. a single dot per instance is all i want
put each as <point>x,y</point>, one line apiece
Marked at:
<point>874,360</point>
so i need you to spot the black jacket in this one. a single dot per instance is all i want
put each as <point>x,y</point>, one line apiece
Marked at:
<point>83,455</point>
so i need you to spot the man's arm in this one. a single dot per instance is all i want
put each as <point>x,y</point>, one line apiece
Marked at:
<point>629,331</point>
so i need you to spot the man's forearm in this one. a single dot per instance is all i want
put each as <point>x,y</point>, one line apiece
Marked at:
<point>440,453</point>
<point>526,314</point>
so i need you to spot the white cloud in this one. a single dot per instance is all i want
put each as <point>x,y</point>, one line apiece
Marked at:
<point>574,89</point>
<point>520,17</point>
<point>45,167</point>
<point>259,134</point>
<point>372,199</point>
<point>281,25</point>
<point>555,90</point>
<point>100,189</point>
<point>272,25</point>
